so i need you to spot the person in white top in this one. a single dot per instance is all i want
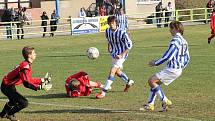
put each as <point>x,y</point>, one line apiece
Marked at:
<point>168,14</point>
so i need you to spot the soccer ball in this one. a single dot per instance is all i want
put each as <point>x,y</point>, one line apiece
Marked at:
<point>92,53</point>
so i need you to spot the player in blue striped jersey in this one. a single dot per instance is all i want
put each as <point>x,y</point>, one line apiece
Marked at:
<point>177,58</point>
<point>119,45</point>
<point>122,20</point>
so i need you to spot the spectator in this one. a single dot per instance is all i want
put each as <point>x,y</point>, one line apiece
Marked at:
<point>44,24</point>
<point>159,14</point>
<point>102,11</point>
<point>20,18</point>
<point>82,12</point>
<point>117,7</point>
<point>97,11</point>
<point>109,7</point>
<point>53,23</point>
<point>99,3</point>
<point>168,14</point>
<point>8,17</point>
<point>210,6</point>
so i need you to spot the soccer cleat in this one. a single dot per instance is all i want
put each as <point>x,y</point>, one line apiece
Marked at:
<point>166,105</point>
<point>209,41</point>
<point>102,87</point>
<point>148,107</point>
<point>100,95</point>
<point>128,85</point>
<point>12,118</point>
<point>3,114</point>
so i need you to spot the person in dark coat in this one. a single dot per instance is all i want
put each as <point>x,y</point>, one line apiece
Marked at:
<point>44,23</point>
<point>159,14</point>
<point>53,23</point>
<point>8,17</point>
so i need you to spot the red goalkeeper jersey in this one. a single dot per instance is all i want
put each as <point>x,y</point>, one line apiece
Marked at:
<point>83,90</point>
<point>213,23</point>
<point>22,74</point>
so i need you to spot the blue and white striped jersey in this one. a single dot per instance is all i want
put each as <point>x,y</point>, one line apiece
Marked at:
<point>122,21</point>
<point>177,55</point>
<point>118,40</point>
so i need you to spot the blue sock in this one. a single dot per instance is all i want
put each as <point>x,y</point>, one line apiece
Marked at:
<point>112,78</point>
<point>124,77</point>
<point>152,97</point>
<point>160,93</point>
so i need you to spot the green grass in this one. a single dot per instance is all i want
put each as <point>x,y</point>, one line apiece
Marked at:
<point>192,94</point>
<point>188,4</point>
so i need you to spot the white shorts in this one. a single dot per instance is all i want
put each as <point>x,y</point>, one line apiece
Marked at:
<point>168,75</point>
<point>118,63</point>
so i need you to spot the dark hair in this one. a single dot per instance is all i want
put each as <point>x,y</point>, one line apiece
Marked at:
<point>24,9</point>
<point>26,51</point>
<point>74,84</point>
<point>111,19</point>
<point>178,26</point>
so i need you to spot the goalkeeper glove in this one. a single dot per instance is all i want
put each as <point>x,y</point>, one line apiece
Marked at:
<point>48,87</point>
<point>41,86</point>
<point>44,86</point>
<point>47,78</point>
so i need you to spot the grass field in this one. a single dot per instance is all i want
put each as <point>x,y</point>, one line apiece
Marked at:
<point>188,4</point>
<point>192,94</point>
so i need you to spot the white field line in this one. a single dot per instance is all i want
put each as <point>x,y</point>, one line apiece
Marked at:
<point>112,110</point>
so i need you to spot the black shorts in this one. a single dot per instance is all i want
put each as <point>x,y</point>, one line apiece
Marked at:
<point>12,94</point>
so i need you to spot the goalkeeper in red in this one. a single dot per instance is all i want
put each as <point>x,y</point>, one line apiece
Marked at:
<point>79,84</point>
<point>212,25</point>
<point>22,73</point>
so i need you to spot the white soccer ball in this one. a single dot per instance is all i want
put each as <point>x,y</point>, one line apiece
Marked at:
<point>92,53</point>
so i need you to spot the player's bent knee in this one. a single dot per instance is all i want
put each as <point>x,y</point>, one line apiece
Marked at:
<point>153,80</point>
<point>24,104</point>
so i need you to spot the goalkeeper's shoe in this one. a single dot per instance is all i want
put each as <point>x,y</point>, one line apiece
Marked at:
<point>166,105</point>
<point>100,95</point>
<point>12,118</point>
<point>3,114</point>
<point>128,85</point>
<point>209,40</point>
<point>148,107</point>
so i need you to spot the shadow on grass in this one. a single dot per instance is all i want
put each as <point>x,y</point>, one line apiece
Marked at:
<point>48,96</point>
<point>89,111</point>
<point>62,56</point>
<point>58,95</point>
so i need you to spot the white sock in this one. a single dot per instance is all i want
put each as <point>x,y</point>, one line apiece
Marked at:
<point>107,84</point>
